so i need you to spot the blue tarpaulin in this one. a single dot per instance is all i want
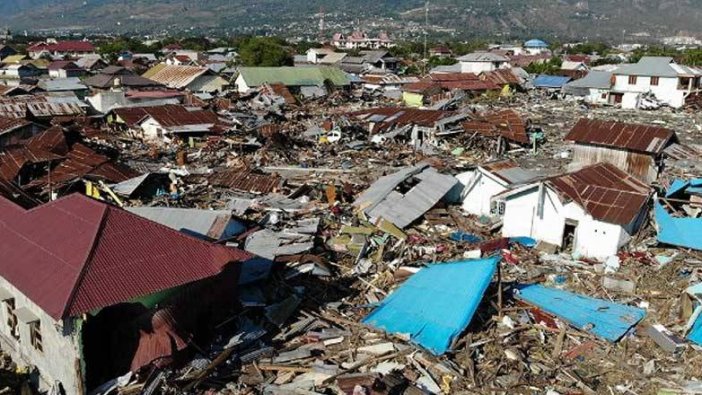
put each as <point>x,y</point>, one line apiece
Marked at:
<point>465,237</point>
<point>524,241</point>
<point>681,232</point>
<point>602,318</point>
<point>695,334</point>
<point>436,304</point>
<point>550,81</point>
<point>690,186</point>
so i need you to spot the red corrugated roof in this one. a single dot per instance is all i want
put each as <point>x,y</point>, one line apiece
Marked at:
<point>111,256</point>
<point>634,137</point>
<point>605,192</point>
<point>63,46</point>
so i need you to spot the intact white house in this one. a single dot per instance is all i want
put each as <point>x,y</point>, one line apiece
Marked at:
<point>480,62</point>
<point>671,83</point>
<point>593,211</point>
<point>488,180</point>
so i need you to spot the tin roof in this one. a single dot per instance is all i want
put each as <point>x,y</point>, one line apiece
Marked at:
<point>245,180</point>
<point>112,256</point>
<point>605,192</point>
<point>178,77</point>
<point>640,138</point>
<point>506,123</point>
<point>482,57</point>
<point>386,118</point>
<point>293,76</point>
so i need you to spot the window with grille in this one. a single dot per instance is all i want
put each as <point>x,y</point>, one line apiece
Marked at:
<point>632,80</point>
<point>655,81</point>
<point>12,322</point>
<point>35,335</point>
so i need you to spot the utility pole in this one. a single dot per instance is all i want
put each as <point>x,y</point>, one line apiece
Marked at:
<point>426,32</point>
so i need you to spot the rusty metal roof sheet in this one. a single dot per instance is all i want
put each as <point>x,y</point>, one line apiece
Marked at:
<point>386,118</point>
<point>243,179</point>
<point>605,192</point>
<point>506,123</point>
<point>8,124</point>
<point>641,138</point>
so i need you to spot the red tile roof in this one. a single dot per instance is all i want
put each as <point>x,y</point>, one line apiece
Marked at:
<point>605,192</point>
<point>112,256</point>
<point>634,137</point>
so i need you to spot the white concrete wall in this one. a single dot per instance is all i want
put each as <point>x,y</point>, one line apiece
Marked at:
<point>666,90</point>
<point>59,359</point>
<point>593,238</point>
<point>241,85</point>
<point>477,67</point>
<point>152,129</point>
<point>595,96</point>
<point>480,188</point>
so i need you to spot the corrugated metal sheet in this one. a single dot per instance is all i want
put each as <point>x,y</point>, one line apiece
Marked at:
<point>605,192</point>
<point>245,180</point>
<point>605,319</point>
<point>111,256</point>
<point>389,117</point>
<point>177,77</point>
<point>634,137</point>
<point>293,76</point>
<point>382,200</point>
<point>203,224</point>
<point>434,306</point>
<point>506,123</point>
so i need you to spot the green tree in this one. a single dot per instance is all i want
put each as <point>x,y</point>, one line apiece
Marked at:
<point>551,67</point>
<point>265,52</point>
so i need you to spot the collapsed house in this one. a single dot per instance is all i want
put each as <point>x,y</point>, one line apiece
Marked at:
<point>109,291</point>
<point>413,125</point>
<point>191,78</point>
<point>636,149</point>
<point>405,196</point>
<point>595,210</point>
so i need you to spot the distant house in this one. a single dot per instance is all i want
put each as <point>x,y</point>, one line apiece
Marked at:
<point>156,123</point>
<point>440,52</point>
<point>488,180</point>
<point>669,82</point>
<point>117,77</point>
<point>635,149</point>
<point>595,87</point>
<point>6,50</point>
<point>64,321</point>
<point>91,63</point>
<point>61,49</point>
<point>72,84</point>
<point>180,60</point>
<point>479,62</point>
<point>593,211</point>
<point>535,47</point>
<point>369,62</point>
<point>324,56</point>
<point>19,71</point>
<point>309,81</point>
<point>65,69</point>
<point>361,40</point>
<point>14,59</point>
<point>574,69</point>
<point>194,79</point>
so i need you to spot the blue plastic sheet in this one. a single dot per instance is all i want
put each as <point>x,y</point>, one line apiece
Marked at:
<point>524,241</point>
<point>602,318</point>
<point>681,232</point>
<point>465,237</point>
<point>436,304</point>
<point>550,81</point>
<point>695,334</point>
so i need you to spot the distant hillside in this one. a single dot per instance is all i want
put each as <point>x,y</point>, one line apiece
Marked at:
<point>559,18</point>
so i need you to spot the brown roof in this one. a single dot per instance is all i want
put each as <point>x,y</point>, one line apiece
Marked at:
<point>506,123</point>
<point>501,77</point>
<point>389,117</point>
<point>640,138</point>
<point>453,77</point>
<point>167,116</point>
<point>8,124</point>
<point>245,180</point>
<point>605,192</point>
